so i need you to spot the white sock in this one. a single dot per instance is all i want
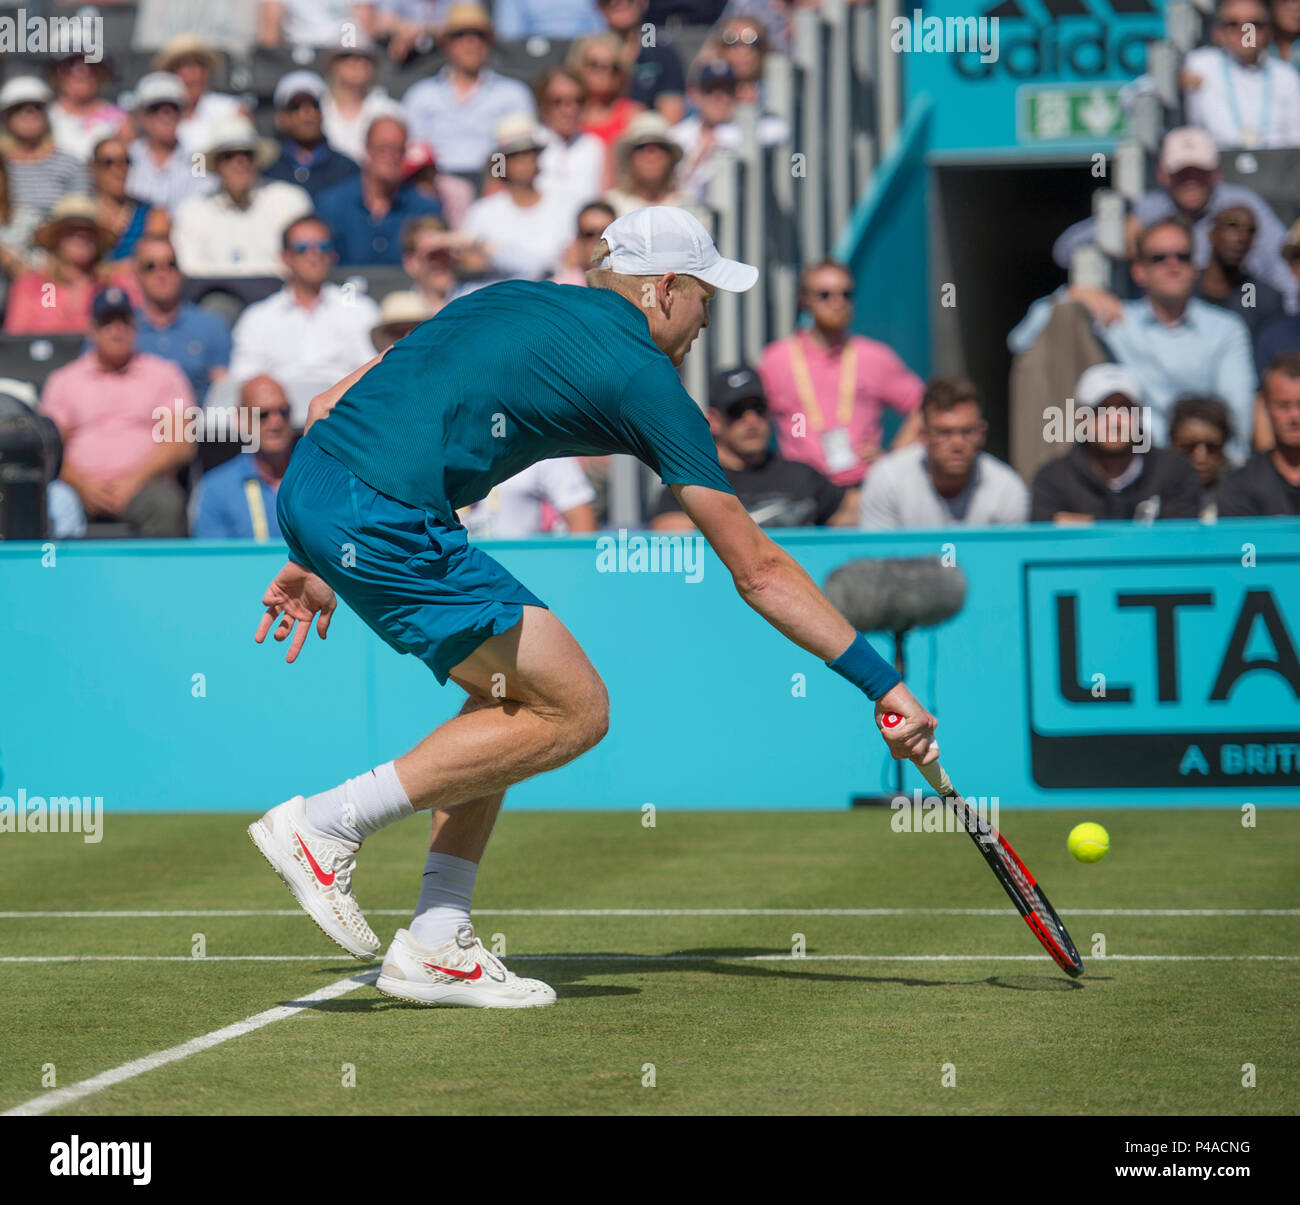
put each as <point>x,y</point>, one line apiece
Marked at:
<point>445,894</point>
<point>361,806</point>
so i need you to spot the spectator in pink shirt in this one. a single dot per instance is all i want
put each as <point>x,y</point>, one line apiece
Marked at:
<point>827,388</point>
<point>56,299</point>
<point>120,414</point>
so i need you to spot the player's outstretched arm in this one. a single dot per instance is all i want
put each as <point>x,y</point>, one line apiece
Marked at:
<point>777,587</point>
<point>295,598</point>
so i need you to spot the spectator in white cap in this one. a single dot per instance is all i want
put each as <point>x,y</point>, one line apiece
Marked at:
<point>39,173</point>
<point>368,211</point>
<point>316,23</point>
<point>194,62</point>
<point>236,231</point>
<point>1235,89</point>
<point>647,169</point>
<point>311,332</point>
<point>353,99</point>
<point>1192,187</point>
<point>163,172</point>
<point>457,110</point>
<point>524,231</point>
<point>79,116</point>
<point>1112,469</point>
<point>306,157</point>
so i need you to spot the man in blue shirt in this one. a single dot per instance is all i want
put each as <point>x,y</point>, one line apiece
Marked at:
<point>195,339</point>
<point>306,158</point>
<point>236,500</point>
<point>367,212</point>
<point>1172,342</point>
<point>457,110</point>
<point>509,375</point>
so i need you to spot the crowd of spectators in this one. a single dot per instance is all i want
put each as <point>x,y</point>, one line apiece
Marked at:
<point>205,265</point>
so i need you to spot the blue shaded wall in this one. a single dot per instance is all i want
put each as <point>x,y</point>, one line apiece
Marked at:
<point>100,651</point>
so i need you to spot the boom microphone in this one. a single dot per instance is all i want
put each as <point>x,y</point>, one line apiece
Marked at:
<point>896,594</point>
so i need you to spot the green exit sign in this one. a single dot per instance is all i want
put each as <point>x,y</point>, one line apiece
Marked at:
<point>1070,113</point>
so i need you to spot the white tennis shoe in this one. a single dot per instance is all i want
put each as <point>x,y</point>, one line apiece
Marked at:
<point>460,973</point>
<point>318,870</point>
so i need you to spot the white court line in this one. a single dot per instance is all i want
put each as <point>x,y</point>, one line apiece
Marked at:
<point>669,958</point>
<point>128,914</point>
<point>64,1096</point>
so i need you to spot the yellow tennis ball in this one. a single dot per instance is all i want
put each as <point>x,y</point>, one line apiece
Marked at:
<point>1088,842</point>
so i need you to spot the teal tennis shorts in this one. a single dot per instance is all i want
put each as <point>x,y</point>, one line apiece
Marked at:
<point>412,577</point>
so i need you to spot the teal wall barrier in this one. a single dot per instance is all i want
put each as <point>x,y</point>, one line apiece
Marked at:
<point>129,672</point>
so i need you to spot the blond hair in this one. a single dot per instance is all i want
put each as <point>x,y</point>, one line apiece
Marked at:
<point>631,287</point>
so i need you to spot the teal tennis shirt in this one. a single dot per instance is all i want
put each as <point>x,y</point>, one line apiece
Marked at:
<point>509,375</point>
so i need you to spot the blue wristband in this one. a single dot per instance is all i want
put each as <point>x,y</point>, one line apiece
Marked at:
<point>866,669</point>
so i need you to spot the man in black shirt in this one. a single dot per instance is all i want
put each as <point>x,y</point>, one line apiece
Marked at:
<point>776,492</point>
<point>1105,475</point>
<point>1224,283</point>
<point>655,75</point>
<point>1269,484</point>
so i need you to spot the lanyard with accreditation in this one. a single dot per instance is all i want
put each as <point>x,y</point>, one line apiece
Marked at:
<point>836,445</point>
<point>1250,136</point>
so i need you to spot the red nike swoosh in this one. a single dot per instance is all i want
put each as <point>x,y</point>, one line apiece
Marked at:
<point>326,880</point>
<point>474,974</point>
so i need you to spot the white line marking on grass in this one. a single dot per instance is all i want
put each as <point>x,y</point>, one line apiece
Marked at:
<point>127,914</point>
<point>65,1096</point>
<point>669,958</point>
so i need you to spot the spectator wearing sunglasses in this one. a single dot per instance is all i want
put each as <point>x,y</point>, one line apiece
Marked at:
<point>196,340</point>
<point>648,160</point>
<point>829,388</point>
<point>234,233</point>
<point>39,173</point>
<point>573,162</point>
<point>128,218</point>
<point>311,333</point>
<point>161,171</point>
<point>649,70</point>
<point>1199,428</point>
<point>774,491</point>
<point>1224,283</point>
<point>306,157</point>
<point>606,110</point>
<point>236,500</point>
<point>774,17</point>
<point>1235,90</point>
<point>592,220</point>
<point>741,42</point>
<point>457,110</point>
<point>1172,342</point>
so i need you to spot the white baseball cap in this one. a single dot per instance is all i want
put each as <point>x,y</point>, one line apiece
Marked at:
<point>1105,380</point>
<point>663,238</point>
<point>298,83</point>
<point>160,87</point>
<point>24,89</point>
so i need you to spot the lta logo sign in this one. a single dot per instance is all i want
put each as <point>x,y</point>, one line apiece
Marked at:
<point>1181,673</point>
<point>1067,39</point>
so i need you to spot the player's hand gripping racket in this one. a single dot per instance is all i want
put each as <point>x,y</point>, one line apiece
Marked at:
<point>1012,873</point>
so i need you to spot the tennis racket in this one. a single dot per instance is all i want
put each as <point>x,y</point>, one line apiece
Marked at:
<point>1012,873</point>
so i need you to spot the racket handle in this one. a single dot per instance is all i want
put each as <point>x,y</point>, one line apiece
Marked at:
<point>933,773</point>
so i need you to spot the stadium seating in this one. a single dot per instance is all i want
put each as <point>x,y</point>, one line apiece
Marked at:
<point>33,357</point>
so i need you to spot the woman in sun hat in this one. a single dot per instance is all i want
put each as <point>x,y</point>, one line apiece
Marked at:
<point>647,170</point>
<point>74,272</point>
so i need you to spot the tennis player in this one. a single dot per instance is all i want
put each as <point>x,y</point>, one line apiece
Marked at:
<point>502,378</point>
